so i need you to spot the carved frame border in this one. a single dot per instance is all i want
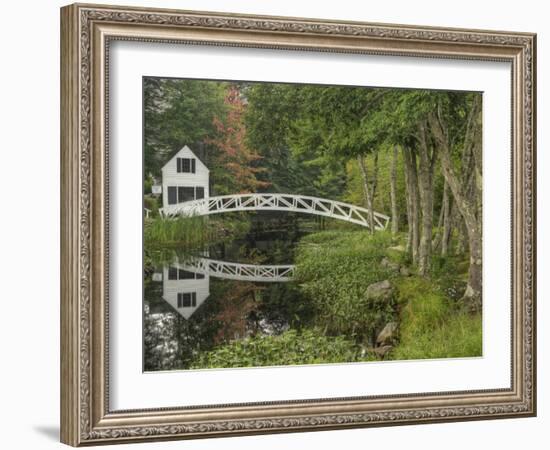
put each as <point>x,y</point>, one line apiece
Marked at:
<point>86,31</point>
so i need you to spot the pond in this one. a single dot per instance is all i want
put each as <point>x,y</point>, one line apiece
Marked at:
<point>229,291</point>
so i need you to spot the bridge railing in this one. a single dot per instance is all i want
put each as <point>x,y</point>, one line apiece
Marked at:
<point>238,271</point>
<point>278,202</point>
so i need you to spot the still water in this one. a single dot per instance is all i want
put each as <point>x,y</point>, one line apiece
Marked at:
<point>228,291</point>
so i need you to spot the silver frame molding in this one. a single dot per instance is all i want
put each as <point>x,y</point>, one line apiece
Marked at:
<point>86,31</point>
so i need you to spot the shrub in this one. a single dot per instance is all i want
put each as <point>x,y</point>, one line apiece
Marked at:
<point>334,270</point>
<point>292,347</point>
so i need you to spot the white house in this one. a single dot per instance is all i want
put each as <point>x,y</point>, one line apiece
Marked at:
<point>185,291</point>
<point>184,178</point>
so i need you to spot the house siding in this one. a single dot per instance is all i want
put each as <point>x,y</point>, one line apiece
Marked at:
<point>171,288</point>
<point>171,177</point>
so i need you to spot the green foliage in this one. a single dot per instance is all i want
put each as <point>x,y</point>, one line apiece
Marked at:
<point>183,231</point>
<point>190,233</point>
<point>147,185</point>
<point>178,112</point>
<point>432,326</point>
<point>399,256</point>
<point>292,347</point>
<point>152,204</point>
<point>291,139</point>
<point>334,269</point>
<point>354,184</point>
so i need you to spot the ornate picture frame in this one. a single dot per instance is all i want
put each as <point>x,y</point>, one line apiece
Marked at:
<point>86,34</point>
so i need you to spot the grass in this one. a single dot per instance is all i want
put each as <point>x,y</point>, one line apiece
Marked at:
<point>432,326</point>
<point>191,233</point>
<point>180,231</point>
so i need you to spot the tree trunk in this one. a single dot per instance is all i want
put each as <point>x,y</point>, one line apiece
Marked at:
<point>436,242</point>
<point>468,205</point>
<point>414,223</point>
<point>474,288</point>
<point>408,200</point>
<point>369,188</point>
<point>447,221</point>
<point>462,244</point>
<point>393,193</point>
<point>425,182</point>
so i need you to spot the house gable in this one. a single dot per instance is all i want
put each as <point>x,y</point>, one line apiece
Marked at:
<point>172,289</point>
<point>184,152</point>
<point>179,185</point>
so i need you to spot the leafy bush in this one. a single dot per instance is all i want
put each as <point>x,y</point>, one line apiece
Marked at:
<point>432,326</point>
<point>334,269</point>
<point>147,185</point>
<point>152,204</point>
<point>291,347</point>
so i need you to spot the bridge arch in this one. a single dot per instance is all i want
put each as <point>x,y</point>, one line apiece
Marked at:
<point>277,202</point>
<point>238,271</point>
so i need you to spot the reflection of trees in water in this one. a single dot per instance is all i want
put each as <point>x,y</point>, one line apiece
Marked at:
<point>234,309</point>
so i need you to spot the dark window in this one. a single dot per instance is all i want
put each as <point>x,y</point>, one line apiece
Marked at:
<point>187,299</point>
<point>172,273</point>
<point>199,192</point>
<point>186,275</point>
<point>186,193</point>
<point>186,165</point>
<point>179,274</point>
<point>172,195</point>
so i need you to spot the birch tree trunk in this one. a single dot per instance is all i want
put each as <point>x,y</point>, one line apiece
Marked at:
<point>425,182</point>
<point>393,192</point>
<point>408,200</point>
<point>369,186</point>
<point>414,196</point>
<point>436,242</point>
<point>447,221</point>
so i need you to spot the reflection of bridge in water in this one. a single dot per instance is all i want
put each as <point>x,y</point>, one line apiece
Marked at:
<point>277,202</point>
<point>238,271</point>
<point>186,285</point>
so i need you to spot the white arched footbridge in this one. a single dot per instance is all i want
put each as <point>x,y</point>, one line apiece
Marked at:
<point>277,202</point>
<point>237,271</point>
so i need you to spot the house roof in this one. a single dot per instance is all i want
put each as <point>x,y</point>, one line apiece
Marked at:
<point>185,149</point>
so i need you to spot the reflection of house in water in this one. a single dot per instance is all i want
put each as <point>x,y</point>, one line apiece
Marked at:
<point>184,178</point>
<point>186,285</point>
<point>185,291</point>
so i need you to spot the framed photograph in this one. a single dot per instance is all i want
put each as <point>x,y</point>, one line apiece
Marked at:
<point>274,224</point>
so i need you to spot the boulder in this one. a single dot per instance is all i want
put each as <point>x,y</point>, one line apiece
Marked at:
<point>404,271</point>
<point>387,335</point>
<point>398,248</point>
<point>388,264</point>
<point>379,291</point>
<point>382,351</point>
